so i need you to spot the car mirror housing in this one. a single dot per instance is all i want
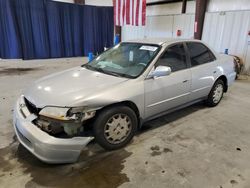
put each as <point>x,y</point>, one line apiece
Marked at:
<point>160,71</point>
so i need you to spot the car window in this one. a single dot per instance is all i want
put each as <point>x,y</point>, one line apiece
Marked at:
<point>199,54</point>
<point>174,57</point>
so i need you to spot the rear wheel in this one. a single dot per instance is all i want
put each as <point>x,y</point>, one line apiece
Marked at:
<point>114,127</point>
<point>216,93</point>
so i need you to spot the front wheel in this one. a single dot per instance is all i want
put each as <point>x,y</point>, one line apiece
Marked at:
<point>216,94</point>
<point>114,127</point>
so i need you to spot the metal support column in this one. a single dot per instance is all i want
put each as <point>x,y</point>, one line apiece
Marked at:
<point>200,11</point>
<point>184,5</point>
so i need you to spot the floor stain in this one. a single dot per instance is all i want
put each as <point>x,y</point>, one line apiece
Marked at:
<point>16,71</point>
<point>233,182</point>
<point>155,153</point>
<point>182,174</point>
<point>100,171</point>
<point>238,149</point>
<point>166,150</point>
<point>156,150</point>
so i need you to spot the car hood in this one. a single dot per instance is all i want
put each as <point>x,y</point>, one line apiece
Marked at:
<point>70,87</point>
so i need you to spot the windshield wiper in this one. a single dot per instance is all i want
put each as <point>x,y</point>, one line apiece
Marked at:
<point>113,73</point>
<point>94,68</point>
<point>118,74</point>
<point>108,72</point>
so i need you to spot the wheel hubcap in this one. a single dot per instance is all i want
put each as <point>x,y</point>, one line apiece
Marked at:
<point>218,92</point>
<point>117,128</point>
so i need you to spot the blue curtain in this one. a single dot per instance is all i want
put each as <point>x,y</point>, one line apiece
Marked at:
<point>36,29</point>
<point>55,29</point>
<point>10,43</point>
<point>39,28</point>
<point>23,19</point>
<point>66,16</point>
<point>77,25</point>
<point>88,35</point>
<point>98,33</point>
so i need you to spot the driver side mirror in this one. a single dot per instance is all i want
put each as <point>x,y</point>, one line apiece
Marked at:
<point>160,71</point>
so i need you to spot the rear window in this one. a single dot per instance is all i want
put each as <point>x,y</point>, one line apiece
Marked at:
<point>199,54</point>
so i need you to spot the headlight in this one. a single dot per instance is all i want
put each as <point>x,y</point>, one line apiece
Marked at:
<point>67,114</point>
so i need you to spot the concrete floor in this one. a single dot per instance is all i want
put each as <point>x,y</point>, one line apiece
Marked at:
<point>192,148</point>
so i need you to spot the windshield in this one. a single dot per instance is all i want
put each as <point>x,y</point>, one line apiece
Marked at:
<point>125,59</point>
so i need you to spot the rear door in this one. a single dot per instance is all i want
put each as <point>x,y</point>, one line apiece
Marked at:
<point>203,68</point>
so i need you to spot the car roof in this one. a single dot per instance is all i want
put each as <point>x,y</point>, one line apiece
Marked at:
<point>161,41</point>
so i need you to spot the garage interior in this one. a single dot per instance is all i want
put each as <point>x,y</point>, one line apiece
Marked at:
<point>193,147</point>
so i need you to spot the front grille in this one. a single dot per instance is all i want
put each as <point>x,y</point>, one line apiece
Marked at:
<point>31,107</point>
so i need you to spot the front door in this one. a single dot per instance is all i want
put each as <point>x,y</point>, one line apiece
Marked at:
<point>170,91</point>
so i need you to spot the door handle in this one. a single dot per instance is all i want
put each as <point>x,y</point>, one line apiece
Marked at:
<point>215,72</point>
<point>185,81</point>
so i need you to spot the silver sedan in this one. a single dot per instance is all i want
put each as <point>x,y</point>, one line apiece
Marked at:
<point>109,98</point>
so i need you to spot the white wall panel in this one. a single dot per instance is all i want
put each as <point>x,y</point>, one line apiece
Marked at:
<point>159,26</point>
<point>164,9</point>
<point>213,30</point>
<point>131,32</point>
<point>156,27</point>
<point>227,5</point>
<point>185,23</point>
<point>247,59</point>
<point>169,9</point>
<point>99,2</point>
<point>228,30</point>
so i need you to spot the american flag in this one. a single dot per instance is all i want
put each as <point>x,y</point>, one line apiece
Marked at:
<point>129,12</point>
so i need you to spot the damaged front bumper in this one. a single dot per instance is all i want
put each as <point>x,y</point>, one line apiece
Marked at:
<point>44,146</point>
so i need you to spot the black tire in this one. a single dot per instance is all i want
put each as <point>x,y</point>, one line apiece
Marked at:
<point>101,122</point>
<point>210,100</point>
